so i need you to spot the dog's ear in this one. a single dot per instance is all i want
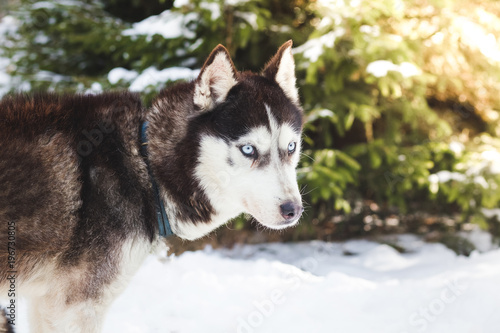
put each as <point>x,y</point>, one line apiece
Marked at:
<point>216,78</point>
<point>281,68</point>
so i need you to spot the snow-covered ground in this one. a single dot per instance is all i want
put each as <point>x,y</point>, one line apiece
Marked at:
<point>356,286</point>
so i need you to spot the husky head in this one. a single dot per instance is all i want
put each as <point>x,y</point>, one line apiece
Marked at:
<point>247,132</point>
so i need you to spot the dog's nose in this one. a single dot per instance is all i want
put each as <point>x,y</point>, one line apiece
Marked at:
<point>290,211</point>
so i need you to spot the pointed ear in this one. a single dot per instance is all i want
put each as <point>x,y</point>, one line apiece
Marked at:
<point>281,68</point>
<point>216,78</point>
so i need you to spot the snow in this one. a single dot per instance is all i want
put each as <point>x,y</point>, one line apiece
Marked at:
<point>43,5</point>
<point>457,147</point>
<point>482,241</point>
<point>50,77</point>
<point>150,76</point>
<point>444,176</point>
<point>475,36</point>
<point>174,24</point>
<point>370,30</point>
<point>154,77</point>
<point>487,161</point>
<point>235,2</point>
<point>4,77</point>
<point>120,73</point>
<point>213,8</point>
<point>181,3</point>
<point>380,68</point>
<point>355,286</point>
<point>41,39</point>
<point>169,24</point>
<point>250,17</point>
<point>489,213</point>
<point>491,159</point>
<point>8,25</point>
<point>95,88</point>
<point>314,48</point>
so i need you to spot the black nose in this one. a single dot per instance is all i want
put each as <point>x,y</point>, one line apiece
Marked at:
<point>289,210</point>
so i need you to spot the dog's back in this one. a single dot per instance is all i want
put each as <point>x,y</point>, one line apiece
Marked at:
<point>56,151</point>
<point>38,179</point>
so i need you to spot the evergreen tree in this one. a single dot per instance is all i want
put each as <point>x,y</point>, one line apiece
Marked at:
<point>407,106</point>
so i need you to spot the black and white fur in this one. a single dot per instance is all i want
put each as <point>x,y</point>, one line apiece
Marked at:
<point>77,189</point>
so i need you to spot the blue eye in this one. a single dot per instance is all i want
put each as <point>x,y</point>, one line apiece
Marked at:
<point>248,150</point>
<point>291,147</point>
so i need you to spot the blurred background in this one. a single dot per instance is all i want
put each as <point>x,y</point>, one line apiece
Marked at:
<point>401,97</point>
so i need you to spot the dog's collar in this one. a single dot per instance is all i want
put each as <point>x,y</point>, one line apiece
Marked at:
<point>163,224</point>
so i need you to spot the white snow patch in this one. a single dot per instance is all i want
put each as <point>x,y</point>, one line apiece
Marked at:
<point>489,213</point>
<point>457,147</point>
<point>120,73</point>
<point>475,36</point>
<point>492,157</point>
<point>250,17</point>
<point>181,3</point>
<point>311,287</point>
<point>480,180</point>
<point>380,68</point>
<point>384,258</point>
<point>5,78</point>
<point>370,30</point>
<point>41,39</point>
<point>314,48</point>
<point>445,176</point>
<point>43,5</point>
<point>50,77</point>
<point>323,113</point>
<point>235,2</point>
<point>488,160</point>
<point>358,246</point>
<point>482,240</point>
<point>153,77</point>
<point>8,26</point>
<point>95,88</point>
<point>213,8</point>
<point>408,69</point>
<point>168,24</point>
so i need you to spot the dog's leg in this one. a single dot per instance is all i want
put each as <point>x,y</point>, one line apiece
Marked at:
<point>49,314</point>
<point>5,326</point>
<point>35,316</point>
<point>73,304</point>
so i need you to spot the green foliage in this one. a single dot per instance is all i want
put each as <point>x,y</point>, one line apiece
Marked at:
<point>328,172</point>
<point>375,85</point>
<point>70,45</point>
<point>65,45</point>
<point>388,89</point>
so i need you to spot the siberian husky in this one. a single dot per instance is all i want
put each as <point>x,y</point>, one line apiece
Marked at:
<point>91,184</point>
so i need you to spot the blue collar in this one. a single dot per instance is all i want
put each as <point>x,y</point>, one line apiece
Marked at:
<point>163,224</point>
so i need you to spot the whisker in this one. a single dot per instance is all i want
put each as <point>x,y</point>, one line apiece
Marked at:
<point>308,156</point>
<point>306,193</point>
